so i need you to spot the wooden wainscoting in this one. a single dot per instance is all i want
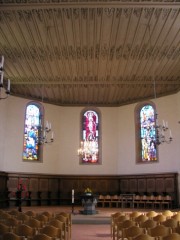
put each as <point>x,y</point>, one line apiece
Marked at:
<point>42,189</point>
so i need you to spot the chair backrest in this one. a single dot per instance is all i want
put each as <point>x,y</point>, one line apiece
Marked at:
<point>150,223</point>
<point>151,214</point>
<point>30,213</point>
<point>172,223</point>
<point>51,231</point>
<point>41,236</point>
<point>11,236</point>
<point>167,213</point>
<point>133,231</point>
<point>134,215</point>
<point>22,217</point>
<point>159,218</point>
<point>143,236</point>
<point>34,223</point>
<point>3,228</point>
<point>172,236</point>
<point>24,230</point>
<point>159,231</point>
<point>142,218</point>
<point>177,229</point>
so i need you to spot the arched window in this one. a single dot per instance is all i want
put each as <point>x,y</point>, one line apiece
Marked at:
<point>146,134</point>
<point>90,137</point>
<point>32,128</point>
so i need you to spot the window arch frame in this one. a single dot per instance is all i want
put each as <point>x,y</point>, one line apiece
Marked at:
<point>138,109</point>
<point>41,124</point>
<point>83,111</point>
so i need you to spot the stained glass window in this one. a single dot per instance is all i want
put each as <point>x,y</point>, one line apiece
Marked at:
<point>148,133</point>
<point>90,137</point>
<point>31,150</point>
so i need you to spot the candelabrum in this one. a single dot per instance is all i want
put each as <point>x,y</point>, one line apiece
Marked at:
<point>46,135</point>
<point>161,133</point>
<point>88,148</point>
<point>4,85</point>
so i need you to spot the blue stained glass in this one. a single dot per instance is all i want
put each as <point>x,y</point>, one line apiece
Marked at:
<point>31,133</point>
<point>148,133</point>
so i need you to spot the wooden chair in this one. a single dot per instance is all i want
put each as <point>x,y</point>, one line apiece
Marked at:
<point>159,218</point>
<point>114,225</point>
<point>114,201</point>
<point>150,223</point>
<point>25,230</point>
<point>159,231</point>
<point>150,201</point>
<point>52,232</point>
<point>121,226</point>
<point>61,225</point>
<point>134,215</point>
<point>167,201</point>
<point>158,202</point>
<point>64,220</point>
<point>30,213</point>
<point>35,224</point>
<point>14,212</point>
<point>12,223</point>
<point>113,217</point>
<point>177,230</point>
<point>172,236</point>
<point>107,201</point>
<point>40,236</point>
<point>69,220</point>
<point>167,213</point>
<point>42,218</point>
<point>171,223</point>
<point>143,236</point>
<point>132,231</point>
<point>47,214</point>
<point>151,214</point>
<point>140,219</point>
<point>177,218</point>
<point>11,236</point>
<point>101,200</point>
<point>4,229</point>
<point>22,217</point>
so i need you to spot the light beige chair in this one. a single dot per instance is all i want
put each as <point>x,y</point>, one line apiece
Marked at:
<point>101,200</point>
<point>172,236</point>
<point>177,218</point>
<point>64,220</point>
<point>47,214</point>
<point>107,201</point>
<point>167,201</point>
<point>151,214</point>
<point>159,231</point>
<point>132,231</point>
<point>150,201</point>
<point>113,217</point>
<point>167,213</point>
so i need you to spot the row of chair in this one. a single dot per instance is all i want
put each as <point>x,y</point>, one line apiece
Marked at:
<point>137,201</point>
<point>33,226</point>
<point>151,223</point>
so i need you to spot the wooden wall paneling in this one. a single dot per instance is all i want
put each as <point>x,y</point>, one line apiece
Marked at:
<point>34,191</point>
<point>142,186</point>
<point>44,191</point>
<point>169,185</point>
<point>124,186</point>
<point>54,191</point>
<point>133,185</point>
<point>160,186</point>
<point>151,186</point>
<point>3,190</point>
